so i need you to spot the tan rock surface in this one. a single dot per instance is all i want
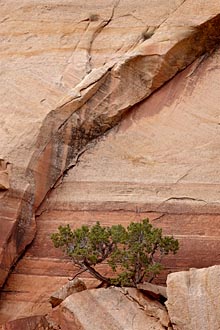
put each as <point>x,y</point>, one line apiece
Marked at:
<point>66,290</point>
<point>4,175</point>
<point>160,162</point>
<point>193,299</point>
<point>66,81</point>
<point>111,309</point>
<point>153,290</point>
<point>56,66</point>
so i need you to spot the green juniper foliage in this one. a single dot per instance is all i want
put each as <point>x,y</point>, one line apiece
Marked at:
<point>133,253</point>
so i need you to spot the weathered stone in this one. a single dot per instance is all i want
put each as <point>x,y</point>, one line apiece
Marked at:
<point>4,175</point>
<point>149,166</point>
<point>66,81</point>
<point>28,323</point>
<point>152,307</point>
<point>111,309</point>
<point>71,287</point>
<point>62,68</point>
<point>154,290</point>
<point>193,299</point>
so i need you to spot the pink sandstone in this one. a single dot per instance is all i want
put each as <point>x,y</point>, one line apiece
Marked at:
<point>39,72</point>
<point>66,82</point>
<point>110,184</point>
<point>113,309</point>
<point>193,299</point>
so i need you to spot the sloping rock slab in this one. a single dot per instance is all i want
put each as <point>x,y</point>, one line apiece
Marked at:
<point>194,299</point>
<point>111,309</point>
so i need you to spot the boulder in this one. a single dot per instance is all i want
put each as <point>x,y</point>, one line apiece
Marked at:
<point>156,291</point>
<point>194,299</point>
<point>66,290</point>
<point>111,309</point>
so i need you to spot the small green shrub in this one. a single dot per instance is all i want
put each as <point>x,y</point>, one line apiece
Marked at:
<point>133,253</point>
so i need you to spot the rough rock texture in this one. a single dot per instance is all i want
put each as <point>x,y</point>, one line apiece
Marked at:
<point>66,290</point>
<point>28,323</point>
<point>70,73</point>
<point>156,291</point>
<point>193,299</point>
<point>4,175</point>
<point>161,162</point>
<point>61,86</point>
<point>112,309</point>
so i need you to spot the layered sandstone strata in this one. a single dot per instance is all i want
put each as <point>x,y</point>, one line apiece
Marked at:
<point>52,51</point>
<point>69,73</point>
<point>161,162</point>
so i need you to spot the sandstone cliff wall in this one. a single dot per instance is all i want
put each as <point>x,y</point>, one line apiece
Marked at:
<point>70,73</point>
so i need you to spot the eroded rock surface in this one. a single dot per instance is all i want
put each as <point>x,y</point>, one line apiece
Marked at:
<point>161,162</point>
<point>68,75</point>
<point>66,290</point>
<point>4,175</point>
<point>193,299</point>
<point>28,323</point>
<point>111,309</point>
<point>153,290</point>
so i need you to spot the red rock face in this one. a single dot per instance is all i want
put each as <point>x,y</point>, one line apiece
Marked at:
<point>28,323</point>
<point>161,161</point>
<point>154,164</point>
